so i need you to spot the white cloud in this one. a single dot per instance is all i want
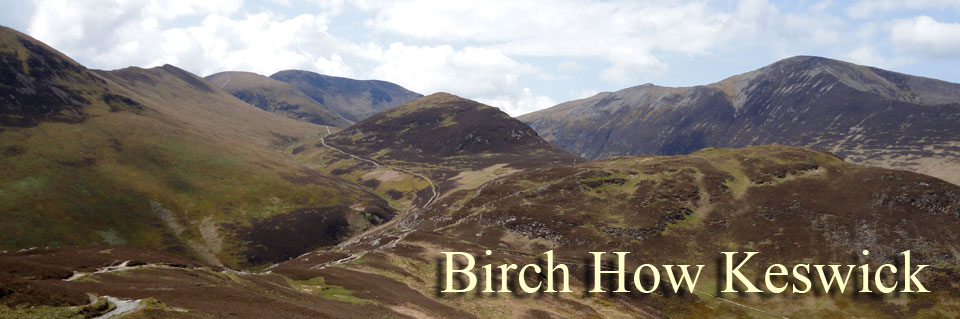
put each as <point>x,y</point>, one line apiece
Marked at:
<point>74,25</point>
<point>489,50</point>
<point>628,62</point>
<point>260,43</point>
<point>569,27</point>
<point>928,36</point>
<point>332,6</point>
<point>868,55</point>
<point>483,74</point>
<point>822,5</point>
<point>518,104</point>
<point>582,94</point>
<point>333,66</point>
<point>116,34</point>
<point>873,8</point>
<point>120,34</point>
<point>622,32</point>
<point>630,35</point>
<point>569,66</point>
<point>471,71</point>
<point>761,23</point>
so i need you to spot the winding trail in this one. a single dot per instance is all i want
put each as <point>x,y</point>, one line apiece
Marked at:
<point>367,233</point>
<point>124,266</point>
<point>123,307</point>
<point>433,187</point>
<point>324,142</point>
<point>225,82</point>
<point>404,233</point>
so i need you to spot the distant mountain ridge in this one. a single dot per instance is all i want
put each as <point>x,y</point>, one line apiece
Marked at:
<point>353,99</point>
<point>313,97</point>
<point>866,115</point>
<point>276,97</point>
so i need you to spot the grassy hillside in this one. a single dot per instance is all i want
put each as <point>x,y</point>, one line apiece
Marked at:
<point>158,158</point>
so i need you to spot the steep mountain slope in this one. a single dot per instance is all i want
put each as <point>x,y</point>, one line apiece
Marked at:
<point>352,99</point>
<point>866,115</point>
<point>276,97</point>
<point>157,158</point>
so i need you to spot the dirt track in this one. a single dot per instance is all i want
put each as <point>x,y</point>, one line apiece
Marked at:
<point>384,226</point>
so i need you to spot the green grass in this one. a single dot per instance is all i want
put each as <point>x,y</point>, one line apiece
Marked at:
<point>319,287</point>
<point>97,308</point>
<point>323,160</point>
<point>48,199</point>
<point>40,312</point>
<point>200,154</point>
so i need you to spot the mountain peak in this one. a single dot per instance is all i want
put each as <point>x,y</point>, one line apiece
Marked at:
<point>353,99</point>
<point>808,63</point>
<point>800,59</point>
<point>865,114</point>
<point>442,96</point>
<point>188,77</point>
<point>441,126</point>
<point>438,100</point>
<point>826,74</point>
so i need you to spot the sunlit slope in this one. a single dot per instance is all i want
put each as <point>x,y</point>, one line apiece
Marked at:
<point>157,158</point>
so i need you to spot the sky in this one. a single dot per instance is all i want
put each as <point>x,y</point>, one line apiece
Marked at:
<point>518,55</point>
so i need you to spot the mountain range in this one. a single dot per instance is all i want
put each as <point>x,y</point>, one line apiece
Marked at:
<point>866,115</point>
<point>155,193</point>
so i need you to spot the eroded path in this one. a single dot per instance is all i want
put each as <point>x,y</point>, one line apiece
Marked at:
<point>433,187</point>
<point>384,226</point>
